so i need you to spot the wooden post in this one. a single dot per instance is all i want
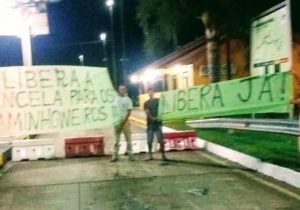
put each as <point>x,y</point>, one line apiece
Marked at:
<point>299,126</point>
<point>298,103</point>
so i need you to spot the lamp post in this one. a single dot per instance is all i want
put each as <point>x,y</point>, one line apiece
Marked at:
<point>103,37</point>
<point>81,60</point>
<point>123,40</point>
<point>110,5</point>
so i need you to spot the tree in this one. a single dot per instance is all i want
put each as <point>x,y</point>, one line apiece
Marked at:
<point>160,21</point>
<point>212,46</point>
<point>164,22</point>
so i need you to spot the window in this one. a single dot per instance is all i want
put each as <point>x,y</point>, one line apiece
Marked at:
<point>185,80</point>
<point>174,82</point>
<point>203,70</point>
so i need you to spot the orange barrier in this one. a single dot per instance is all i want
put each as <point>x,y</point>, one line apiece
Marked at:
<point>84,146</point>
<point>180,140</point>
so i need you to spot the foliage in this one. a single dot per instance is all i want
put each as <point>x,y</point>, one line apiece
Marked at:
<point>169,23</point>
<point>279,149</point>
<point>161,22</point>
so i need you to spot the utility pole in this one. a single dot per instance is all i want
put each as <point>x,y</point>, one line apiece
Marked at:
<point>123,42</point>
<point>110,5</point>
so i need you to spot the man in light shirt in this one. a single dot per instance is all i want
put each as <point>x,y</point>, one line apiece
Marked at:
<point>125,106</point>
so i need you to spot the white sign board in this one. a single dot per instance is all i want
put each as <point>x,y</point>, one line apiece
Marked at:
<point>271,42</point>
<point>14,17</point>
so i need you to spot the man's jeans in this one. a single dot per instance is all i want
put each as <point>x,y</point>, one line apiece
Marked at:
<point>154,129</point>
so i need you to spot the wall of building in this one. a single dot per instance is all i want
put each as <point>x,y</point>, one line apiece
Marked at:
<point>181,75</point>
<point>240,61</point>
<point>239,64</point>
<point>296,67</point>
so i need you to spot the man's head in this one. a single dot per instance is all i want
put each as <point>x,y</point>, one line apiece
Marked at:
<point>151,93</point>
<point>122,90</point>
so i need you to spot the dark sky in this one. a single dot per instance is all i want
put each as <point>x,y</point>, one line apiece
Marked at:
<point>74,22</point>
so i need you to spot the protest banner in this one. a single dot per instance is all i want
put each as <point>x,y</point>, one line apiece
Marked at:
<point>258,94</point>
<point>44,99</point>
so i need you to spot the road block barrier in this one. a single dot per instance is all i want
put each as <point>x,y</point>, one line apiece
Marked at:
<point>180,140</point>
<point>84,146</point>
<point>139,143</point>
<point>34,149</point>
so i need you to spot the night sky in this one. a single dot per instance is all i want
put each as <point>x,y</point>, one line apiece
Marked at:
<point>75,22</point>
<point>72,24</point>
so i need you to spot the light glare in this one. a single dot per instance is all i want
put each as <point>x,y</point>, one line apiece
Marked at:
<point>110,3</point>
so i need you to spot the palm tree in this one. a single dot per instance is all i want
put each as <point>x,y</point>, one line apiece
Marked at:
<point>212,46</point>
<point>159,21</point>
<point>163,22</point>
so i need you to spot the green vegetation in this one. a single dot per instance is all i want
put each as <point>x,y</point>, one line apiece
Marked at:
<point>279,149</point>
<point>169,24</point>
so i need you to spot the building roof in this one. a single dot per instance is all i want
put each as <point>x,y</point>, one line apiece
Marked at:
<point>176,55</point>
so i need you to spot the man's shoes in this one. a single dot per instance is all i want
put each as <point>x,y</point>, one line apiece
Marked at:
<point>149,159</point>
<point>114,160</point>
<point>164,158</point>
<point>131,158</point>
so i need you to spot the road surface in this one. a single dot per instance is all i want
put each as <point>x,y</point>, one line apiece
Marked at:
<point>191,180</point>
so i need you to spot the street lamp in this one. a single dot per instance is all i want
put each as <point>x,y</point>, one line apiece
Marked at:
<point>81,60</point>
<point>134,79</point>
<point>123,40</point>
<point>103,37</point>
<point>110,4</point>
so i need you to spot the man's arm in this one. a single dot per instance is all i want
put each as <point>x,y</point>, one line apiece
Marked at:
<point>149,115</point>
<point>127,116</point>
<point>130,106</point>
<point>121,125</point>
<point>148,112</point>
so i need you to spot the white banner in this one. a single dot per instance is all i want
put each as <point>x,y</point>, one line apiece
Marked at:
<point>43,99</point>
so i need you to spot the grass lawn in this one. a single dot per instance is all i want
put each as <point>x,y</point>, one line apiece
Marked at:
<point>279,149</point>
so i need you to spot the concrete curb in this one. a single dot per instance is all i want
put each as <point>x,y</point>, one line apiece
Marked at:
<point>277,172</point>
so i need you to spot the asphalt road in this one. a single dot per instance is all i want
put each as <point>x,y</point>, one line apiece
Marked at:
<point>190,180</point>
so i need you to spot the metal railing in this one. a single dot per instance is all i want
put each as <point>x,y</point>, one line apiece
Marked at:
<point>267,125</point>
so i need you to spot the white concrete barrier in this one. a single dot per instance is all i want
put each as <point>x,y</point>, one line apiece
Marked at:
<point>59,139</point>
<point>33,149</point>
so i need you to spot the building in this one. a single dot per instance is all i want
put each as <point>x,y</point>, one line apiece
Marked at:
<point>187,67</point>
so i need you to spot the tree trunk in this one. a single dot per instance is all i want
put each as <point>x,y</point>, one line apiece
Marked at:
<point>228,57</point>
<point>228,51</point>
<point>212,47</point>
